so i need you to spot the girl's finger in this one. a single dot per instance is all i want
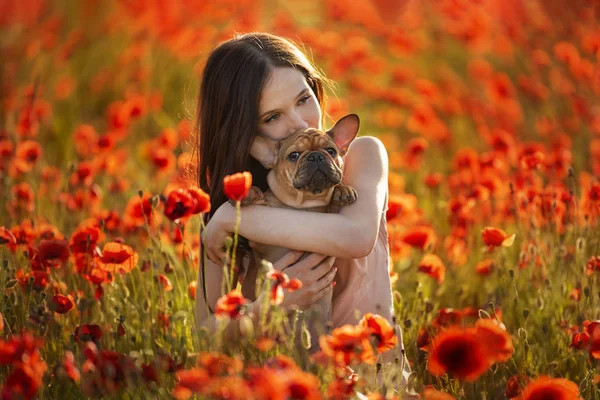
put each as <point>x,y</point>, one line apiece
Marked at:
<point>289,259</point>
<point>328,277</point>
<point>322,293</point>
<point>321,270</point>
<point>315,259</point>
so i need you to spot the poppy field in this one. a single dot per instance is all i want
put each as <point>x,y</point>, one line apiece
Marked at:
<point>489,111</point>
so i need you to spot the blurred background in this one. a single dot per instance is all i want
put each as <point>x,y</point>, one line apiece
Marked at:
<point>448,70</point>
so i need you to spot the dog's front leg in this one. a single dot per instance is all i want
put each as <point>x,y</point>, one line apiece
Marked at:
<point>255,196</point>
<point>343,195</point>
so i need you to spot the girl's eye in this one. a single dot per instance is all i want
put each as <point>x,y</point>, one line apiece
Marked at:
<point>304,100</point>
<point>272,118</point>
<point>332,152</point>
<point>294,156</point>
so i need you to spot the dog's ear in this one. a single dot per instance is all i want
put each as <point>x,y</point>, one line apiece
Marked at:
<point>344,132</point>
<point>265,151</point>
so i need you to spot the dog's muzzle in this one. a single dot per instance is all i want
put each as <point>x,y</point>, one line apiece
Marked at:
<point>317,173</point>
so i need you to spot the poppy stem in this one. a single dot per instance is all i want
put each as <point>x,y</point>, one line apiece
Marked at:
<point>238,218</point>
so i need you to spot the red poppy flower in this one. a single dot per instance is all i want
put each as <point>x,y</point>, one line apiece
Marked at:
<point>227,387</point>
<point>25,380</point>
<point>69,367</point>
<point>497,342</point>
<point>281,281</point>
<point>348,344</point>
<point>381,330</point>
<point>84,137</point>
<point>219,364</point>
<point>447,317</point>
<point>485,267</point>
<point>420,237</point>
<point>389,11</point>
<point>575,294</point>
<point>87,332</point>
<point>424,338</point>
<point>495,237</point>
<point>515,385</point>
<point>431,393</point>
<point>280,362</point>
<point>230,305</point>
<point>433,266</point>
<point>592,328</point>
<point>164,320</point>
<point>179,204</point>
<point>121,329</point>
<point>202,199</point>
<point>62,304</point>
<point>458,352</point>
<point>433,180</point>
<point>546,387</point>
<point>416,146</point>
<point>41,279</point>
<point>149,373</point>
<point>106,371</point>
<point>138,211</point>
<point>189,382</point>
<point>53,253</point>
<point>86,236</point>
<point>593,264</point>
<point>264,384</point>
<point>117,257</point>
<point>19,348</point>
<point>532,161</point>
<point>165,282</point>
<point>302,385</point>
<point>344,387</point>
<point>168,138</point>
<point>237,186</point>
<point>192,289</point>
<point>6,236</point>
<point>264,343</point>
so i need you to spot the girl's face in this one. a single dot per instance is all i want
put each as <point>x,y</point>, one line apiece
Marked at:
<point>287,104</point>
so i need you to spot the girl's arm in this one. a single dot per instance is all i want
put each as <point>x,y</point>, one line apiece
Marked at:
<point>351,233</point>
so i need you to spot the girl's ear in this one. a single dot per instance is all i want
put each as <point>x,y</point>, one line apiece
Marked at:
<point>344,132</point>
<point>265,151</point>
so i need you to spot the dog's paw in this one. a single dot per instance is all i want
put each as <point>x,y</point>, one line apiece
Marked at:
<point>255,196</point>
<point>343,195</point>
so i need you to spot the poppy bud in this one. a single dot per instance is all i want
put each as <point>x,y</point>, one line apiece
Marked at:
<point>121,330</point>
<point>62,304</point>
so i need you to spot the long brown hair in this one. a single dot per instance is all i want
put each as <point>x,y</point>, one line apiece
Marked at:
<point>228,105</point>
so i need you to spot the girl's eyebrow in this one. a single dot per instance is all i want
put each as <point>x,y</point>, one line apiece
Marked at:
<point>298,95</point>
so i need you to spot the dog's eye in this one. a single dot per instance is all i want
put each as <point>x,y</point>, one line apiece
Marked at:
<point>332,152</point>
<point>294,156</point>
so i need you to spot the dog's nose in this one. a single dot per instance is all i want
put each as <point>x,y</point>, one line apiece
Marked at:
<point>315,156</point>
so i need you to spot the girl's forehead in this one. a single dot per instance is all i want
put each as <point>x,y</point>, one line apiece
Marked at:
<point>284,84</point>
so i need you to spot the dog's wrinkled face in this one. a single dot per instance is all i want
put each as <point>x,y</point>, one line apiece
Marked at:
<point>310,160</point>
<point>314,161</point>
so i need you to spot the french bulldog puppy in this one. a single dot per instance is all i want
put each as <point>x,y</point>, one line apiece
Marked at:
<point>305,173</point>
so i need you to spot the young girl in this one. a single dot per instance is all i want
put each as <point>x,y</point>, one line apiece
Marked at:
<point>262,84</point>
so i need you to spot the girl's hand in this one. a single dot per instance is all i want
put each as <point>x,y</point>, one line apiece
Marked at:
<point>221,225</point>
<point>315,271</point>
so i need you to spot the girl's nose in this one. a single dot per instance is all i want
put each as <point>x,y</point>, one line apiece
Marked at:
<point>297,122</point>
